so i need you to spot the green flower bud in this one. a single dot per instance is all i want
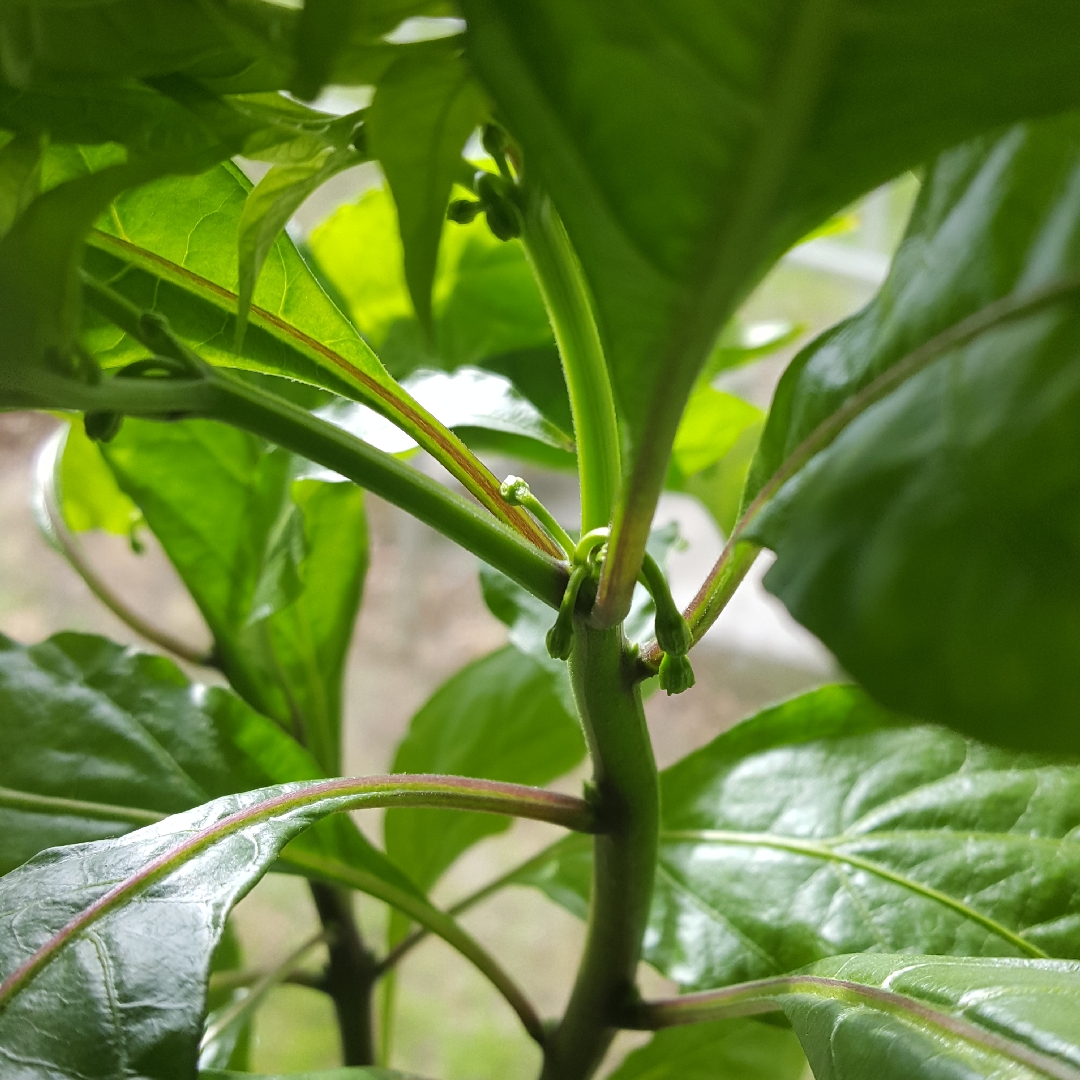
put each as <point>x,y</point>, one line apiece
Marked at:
<point>560,638</point>
<point>514,490</point>
<point>462,211</point>
<point>494,139</point>
<point>102,426</point>
<point>676,674</point>
<point>672,630</point>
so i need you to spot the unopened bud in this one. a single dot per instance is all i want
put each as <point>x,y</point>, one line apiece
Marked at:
<point>676,674</point>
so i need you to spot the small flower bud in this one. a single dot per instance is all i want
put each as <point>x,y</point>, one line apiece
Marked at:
<point>676,674</point>
<point>560,638</point>
<point>462,211</point>
<point>102,427</point>
<point>514,490</point>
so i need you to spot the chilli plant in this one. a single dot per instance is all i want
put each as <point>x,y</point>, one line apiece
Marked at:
<point>579,195</point>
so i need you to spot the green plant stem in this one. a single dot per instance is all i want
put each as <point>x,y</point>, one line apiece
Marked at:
<point>292,427</point>
<point>351,974</point>
<point>566,295</point>
<point>51,521</point>
<point>624,860</point>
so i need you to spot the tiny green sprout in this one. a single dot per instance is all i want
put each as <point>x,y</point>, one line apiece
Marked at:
<point>676,674</point>
<point>516,492</point>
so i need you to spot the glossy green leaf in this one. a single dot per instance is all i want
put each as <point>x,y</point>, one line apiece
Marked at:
<point>687,146</point>
<point>276,565</point>
<point>929,545</point>
<point>826,825</point>
<point>896,1017</point>
<point>504,717</point>
<point>425,108</point>
<point>270,205</point>
<point>231,1049</point>
<point>100,739</point>
<point>716,1050</point>
<point>105,947</point>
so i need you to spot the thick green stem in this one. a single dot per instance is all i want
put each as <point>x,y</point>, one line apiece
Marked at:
<point>567,298</point>
<point>624,862</point>
<point>350,975</point>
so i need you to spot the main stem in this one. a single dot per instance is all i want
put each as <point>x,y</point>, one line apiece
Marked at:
<point>624,859</point>
<point>350,976</point>
<point>566,296</point>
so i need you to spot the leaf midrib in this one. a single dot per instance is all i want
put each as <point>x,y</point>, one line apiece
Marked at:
<point>824,851</point>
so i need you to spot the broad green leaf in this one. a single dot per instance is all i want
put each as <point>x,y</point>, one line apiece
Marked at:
<point>425,108</point>
<point>321,32</point>
<point>91,498</point>
<point>20,175</point>
<point>270,204</point>
<point>826,825</point>
<point>710,427</point>
<point>100,739</point>
<point>929,545</point>
<point>716,1050</point>
<point>895,1017</point>
<point>504,717</point>
<point>276,565</point>
<point>123,40</point>
<point>105,947</point>
<point>686,146</point>
<point>183,265</point>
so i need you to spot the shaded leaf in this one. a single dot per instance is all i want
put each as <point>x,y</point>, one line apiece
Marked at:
<point>91,498</point>
<point>716,1050</point>
<point>826,825</point>
<point>325,1074</point>
<point>929,545</point>
<point>275,565</point>
<point>20,176</point>
<point>425,108</point>
<point>504,717</point>
<point>687,146</point>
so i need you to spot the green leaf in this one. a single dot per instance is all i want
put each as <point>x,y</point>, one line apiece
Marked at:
<point>20,176</point>
<point>76,923</point>
<point>425,108</point>
<point>270,204</point>
<point>826,825</point>
<point>231,1048</point>
<point>486,307</point>
<point>100,739</point>
<point>929,545</point>
<point>120,40</point>
<point>687,146</point>
<point>895,1017</point>
<point>183,265</point>
<point>504,717</point>
<point>710,427</point>
<point>91,497</point>
<point>323,28</point>
<point>325,1074</point>
<point>276,565</point>
<point>716,1050</point>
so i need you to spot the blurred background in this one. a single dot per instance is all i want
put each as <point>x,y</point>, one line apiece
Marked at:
<point>423,617</point>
